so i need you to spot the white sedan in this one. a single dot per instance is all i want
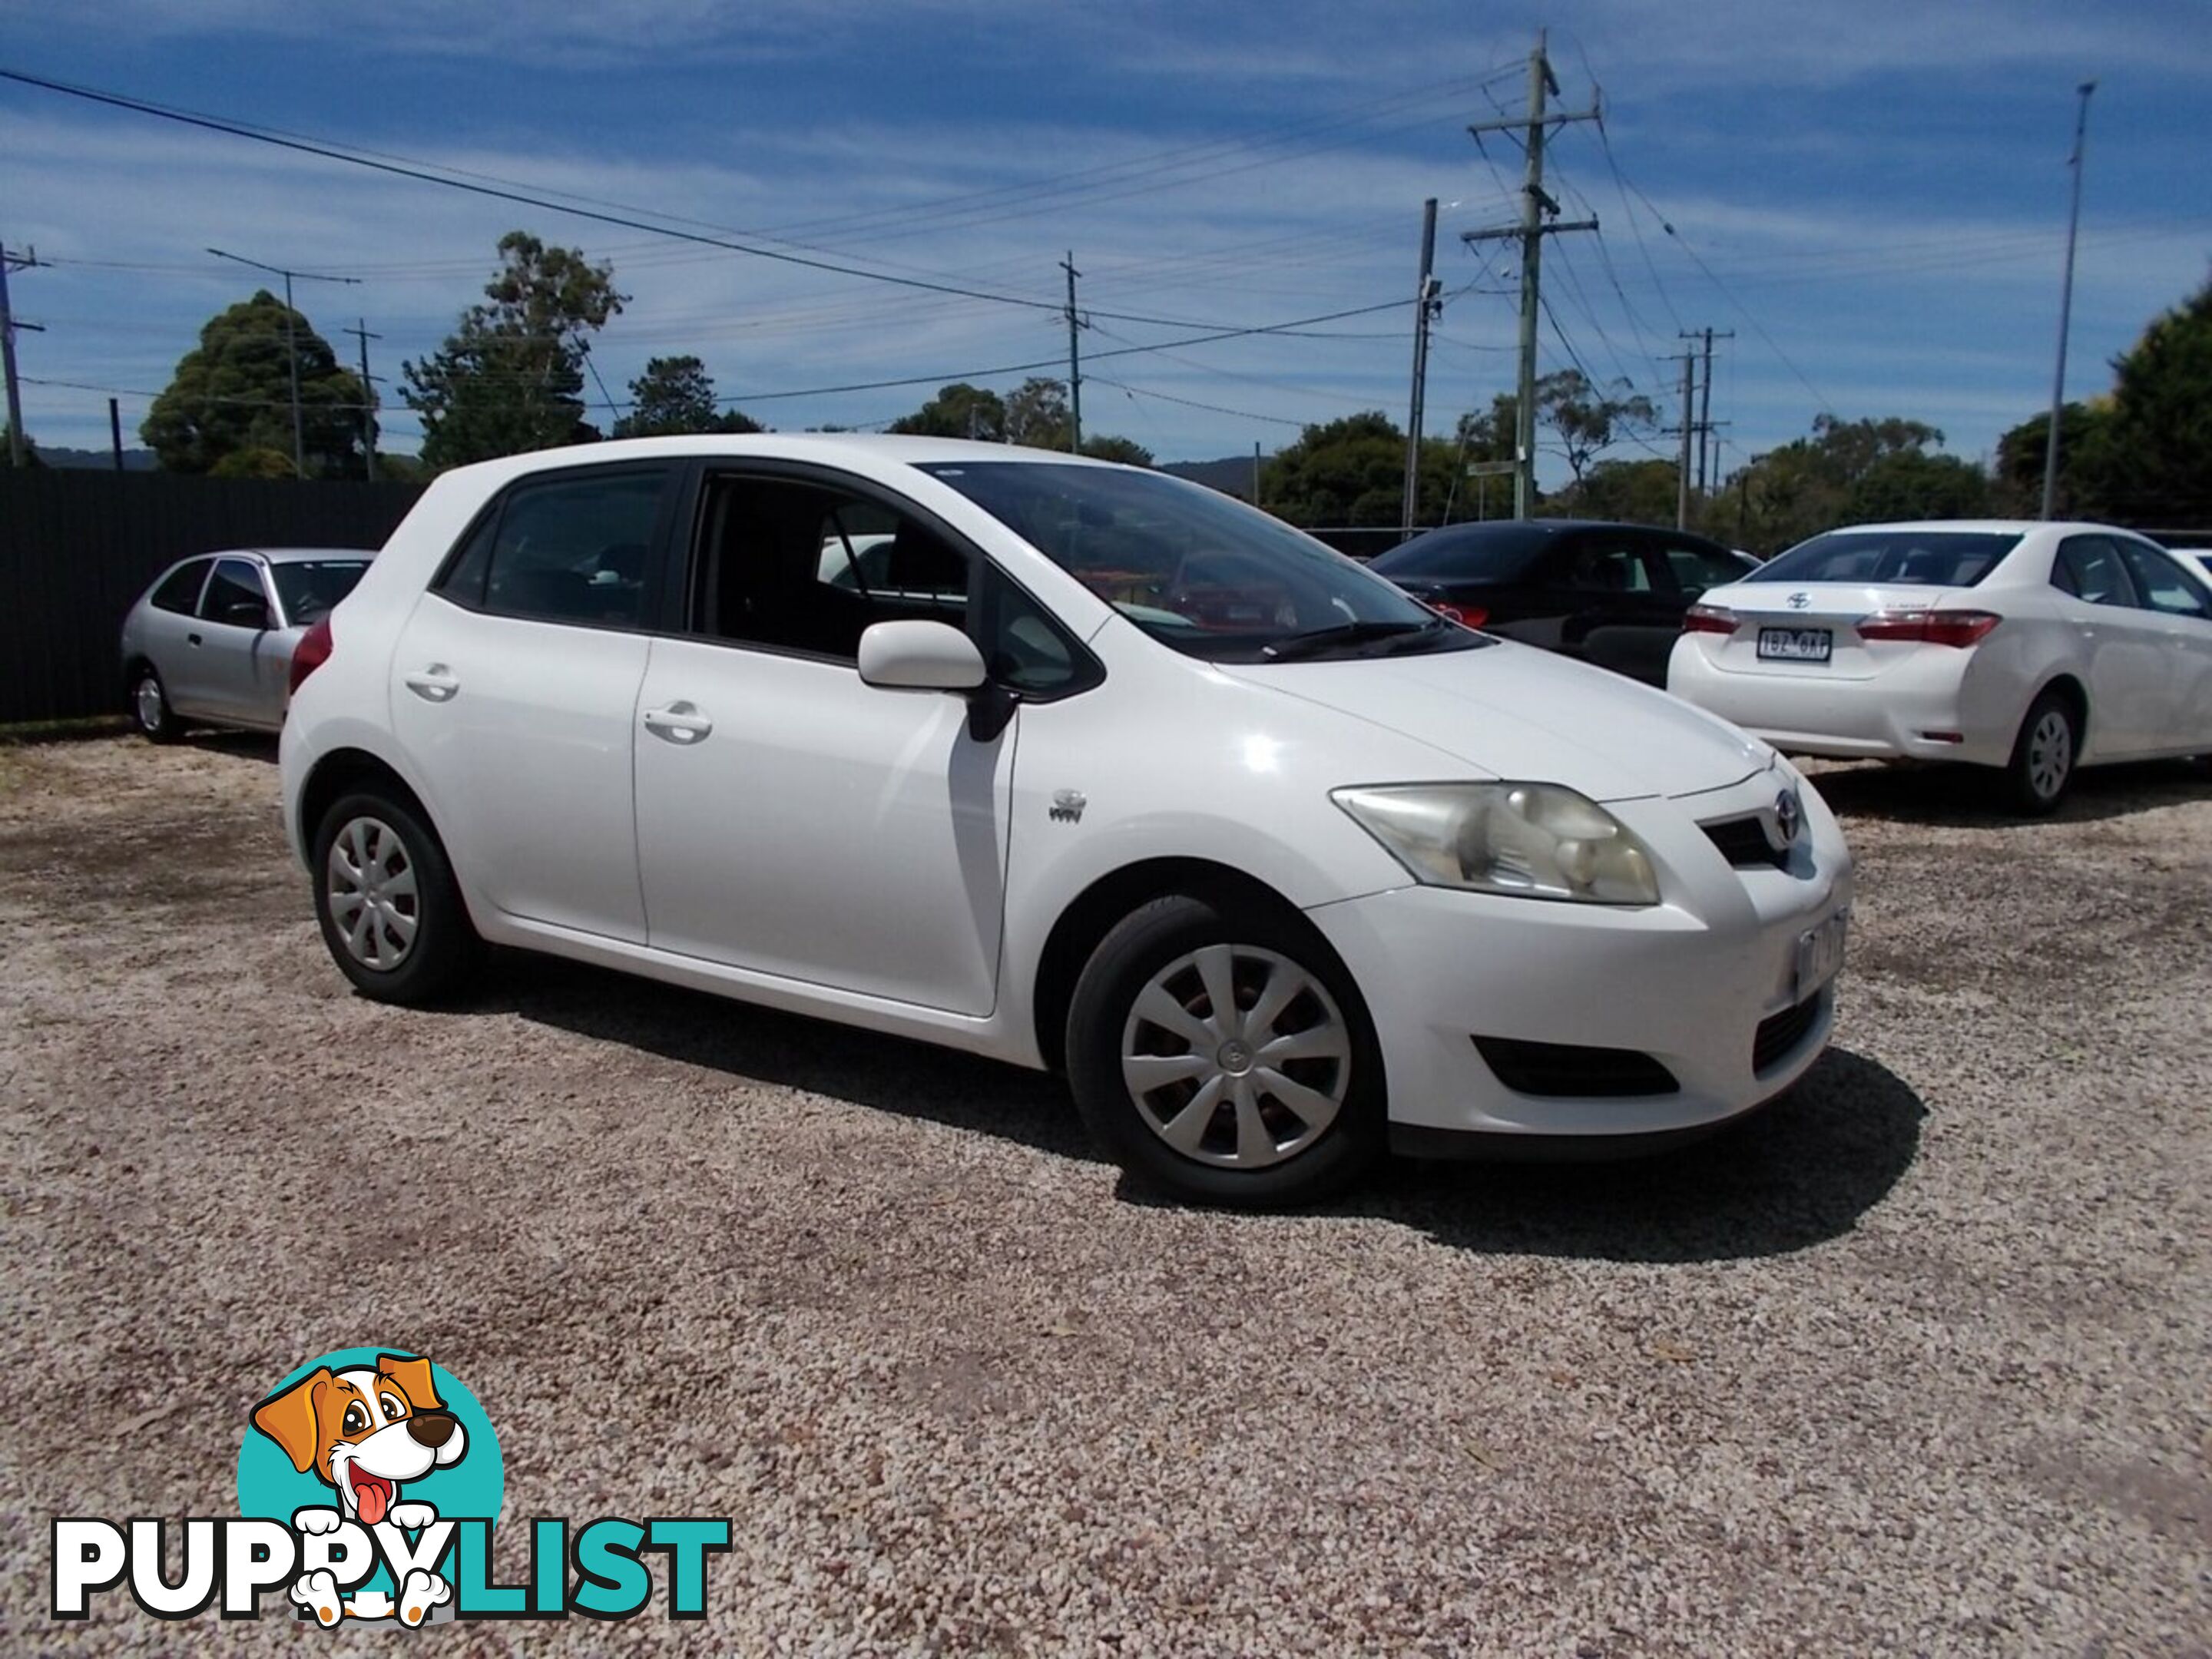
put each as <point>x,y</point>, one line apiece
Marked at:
<point>1081,766</point>
<point>2032,648</point>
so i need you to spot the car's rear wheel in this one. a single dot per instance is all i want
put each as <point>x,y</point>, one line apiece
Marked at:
<point>391,911</point>
<point>2043,756</point>
<point>1220,1051</point>
<point>149,707</point>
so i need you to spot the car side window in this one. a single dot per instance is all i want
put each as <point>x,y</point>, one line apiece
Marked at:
<point>180,591</point>
<point>798,566</point>
<point>566,549</point>
<point>1023,648</point>
<point>1696,568</point>
<point>1599,565</point>
<point>235,596</point>
<point>2162,584</point>
<point>2089,567</point>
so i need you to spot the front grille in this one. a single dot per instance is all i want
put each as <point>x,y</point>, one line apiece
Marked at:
<point>1744,844</point>
<point>1569,1068</point>
<point>1779,1034</point>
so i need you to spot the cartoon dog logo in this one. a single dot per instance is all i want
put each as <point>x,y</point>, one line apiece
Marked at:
<point>365,1431</point>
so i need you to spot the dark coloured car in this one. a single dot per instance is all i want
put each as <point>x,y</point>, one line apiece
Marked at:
<point>1612,594</point>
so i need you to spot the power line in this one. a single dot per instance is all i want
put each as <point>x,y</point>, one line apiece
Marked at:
<point>1193,403</point>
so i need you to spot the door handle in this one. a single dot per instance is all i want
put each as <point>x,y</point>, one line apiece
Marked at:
<point>435,684</point>
<point>191,638</point>
<point>678,723</point>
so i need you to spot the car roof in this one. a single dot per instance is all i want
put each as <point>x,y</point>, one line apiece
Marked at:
<point>819,446</point>
<point>1977,527</point>
<point>287,555</point>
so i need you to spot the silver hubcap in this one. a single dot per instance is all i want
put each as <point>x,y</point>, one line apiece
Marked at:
<point>150,702</point>
<point>2050,754</point>
<point>369,881</point>
<point>1236,1056</point>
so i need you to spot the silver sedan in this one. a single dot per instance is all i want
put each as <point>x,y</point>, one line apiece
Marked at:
<point>210,642</point>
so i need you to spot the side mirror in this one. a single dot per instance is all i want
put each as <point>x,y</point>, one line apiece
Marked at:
<point>920,656</point>
<point>247,613</point>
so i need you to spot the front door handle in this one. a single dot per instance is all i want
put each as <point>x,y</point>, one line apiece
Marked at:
<point>191,638</point>
<point>678,723</point>
<point>435,684</point>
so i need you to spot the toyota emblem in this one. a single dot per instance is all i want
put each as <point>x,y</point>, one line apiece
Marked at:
<point>1799,601</point>
<point>1789,816</point>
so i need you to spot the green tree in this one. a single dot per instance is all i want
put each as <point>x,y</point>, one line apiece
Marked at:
<point>31,456</point>
<point>1848,472</point>
<point>1106,446</point>
<point>1915,485</point>
<point>1627,492</point>
<point>257,463</point>
<point>510,378</point>
<point>232,393</point>
<point>1351,471</point>
<point>2085,432</point>
<point>1588,420</point>
<point>2156,466</point>
<point>958,410</point>
<point>1036,414</point>
<point>676,396</point>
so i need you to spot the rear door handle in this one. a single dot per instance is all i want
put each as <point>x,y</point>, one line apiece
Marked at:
<point>191,638</point>
<point>435,684</point>
<point>678,723</point>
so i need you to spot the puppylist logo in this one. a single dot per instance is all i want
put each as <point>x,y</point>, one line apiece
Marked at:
<point>369,1486</point>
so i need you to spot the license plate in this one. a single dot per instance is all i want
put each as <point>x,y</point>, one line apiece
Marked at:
<point>1819,955</point>
<point>1796,644</point>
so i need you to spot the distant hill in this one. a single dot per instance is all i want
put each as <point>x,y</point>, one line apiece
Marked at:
<point>1231,475</point>
<point>134,461</point>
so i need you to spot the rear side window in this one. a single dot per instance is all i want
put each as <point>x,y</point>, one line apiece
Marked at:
<point>1892,559</point>
<point>1695,568</point>
<point>1602,564</point>
<point>2089,567</point>
<point>180,589</point>
<point>309,589</point>
<point>570,548</point>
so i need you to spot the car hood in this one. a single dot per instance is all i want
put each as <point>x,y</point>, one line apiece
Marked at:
<point>1511,711</point>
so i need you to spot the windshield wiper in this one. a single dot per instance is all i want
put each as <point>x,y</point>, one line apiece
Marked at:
<point>1358,632</point>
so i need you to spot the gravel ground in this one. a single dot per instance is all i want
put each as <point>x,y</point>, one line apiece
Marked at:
<point>1916,1363</point>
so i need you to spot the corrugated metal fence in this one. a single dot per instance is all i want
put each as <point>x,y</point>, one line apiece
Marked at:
<point>77,548</point>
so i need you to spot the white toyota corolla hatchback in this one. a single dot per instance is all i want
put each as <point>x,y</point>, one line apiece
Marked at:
<point>2033,648</point>
<point>1073,764</point>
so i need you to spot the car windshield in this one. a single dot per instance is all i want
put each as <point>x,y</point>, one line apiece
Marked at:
<point>309,588</point>
<point>1463,555</point>
<point>1198,570</point>
<point>1892,559</point>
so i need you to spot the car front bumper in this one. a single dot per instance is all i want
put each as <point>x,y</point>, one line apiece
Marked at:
<point>1705,984</point>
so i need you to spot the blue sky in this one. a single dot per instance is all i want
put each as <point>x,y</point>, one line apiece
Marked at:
<point>1872,197</point>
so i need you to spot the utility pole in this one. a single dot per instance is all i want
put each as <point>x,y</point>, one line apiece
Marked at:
<point>1706,478</point>
<point>291,340</point>
<point>1256,472</point>
<point>1074,360</point>
<point>19,448</point>
<point>1535,205</point>
<point>359,331</point>
<point>2065,306</point>
<point>1425,307</point>
<point>115,431</point>
<point>1689,427</point>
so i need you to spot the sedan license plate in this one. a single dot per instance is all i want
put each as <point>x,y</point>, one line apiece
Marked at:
<point>1819,955</point>
<point>1796,644</point>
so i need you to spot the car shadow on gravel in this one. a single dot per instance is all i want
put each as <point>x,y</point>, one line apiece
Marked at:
<point>1799,1173</point>
<point>764,1045</point>
<point>1972,796</point>
<point>1802,1171</point>
<point>241,745</point>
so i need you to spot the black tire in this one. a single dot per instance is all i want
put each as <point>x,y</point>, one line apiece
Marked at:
<point>443,948</point>
<point>2043,763</point>
<point>149,706</point>
<point>1156,938</point>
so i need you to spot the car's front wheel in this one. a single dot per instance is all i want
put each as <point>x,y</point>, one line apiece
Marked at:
<point>1220,1051</point>
<point>149,707</point>
<point>2043,756</point>
<point>391,911</point>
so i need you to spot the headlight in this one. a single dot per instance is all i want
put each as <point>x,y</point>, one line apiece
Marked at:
<point>1532,840</point>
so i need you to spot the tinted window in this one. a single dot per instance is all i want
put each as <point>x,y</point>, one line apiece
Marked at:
<point>1195,569</point>
<point>1892,559</point>
<point>2161,584</point>
<point>2089,567</point>
<point>180,589</point>
<point>1449,556</point>
<point>569,548</point>
<point>235,595</point>
<point>309,589</point>
<point>1696,568</point>
<point>1602,564</point>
